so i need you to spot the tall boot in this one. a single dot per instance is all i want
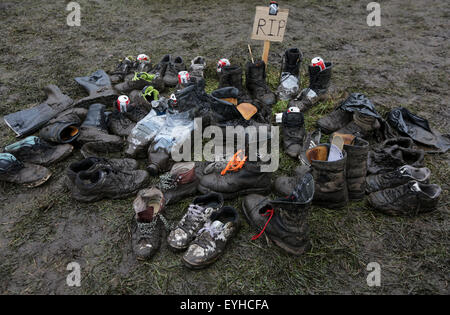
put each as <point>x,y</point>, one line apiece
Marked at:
<point>293,132</point>
<point>255,76</point>
<point>293,58</point>
<point>232,76</point>
<point>99,87</point>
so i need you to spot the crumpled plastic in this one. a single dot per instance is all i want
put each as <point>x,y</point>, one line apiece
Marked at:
<point>418,129</point>
<point>288,87</point>
<point>360,103</point>
<point>177,129</point>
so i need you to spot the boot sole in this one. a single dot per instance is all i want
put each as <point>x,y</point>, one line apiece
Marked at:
<point>39,182</point>
<point>88,199</point>
<point>234,195</point>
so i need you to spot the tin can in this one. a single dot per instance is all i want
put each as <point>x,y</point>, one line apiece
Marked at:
<point>143,58</point>
<point>318,62</point>
<point>222,63</point>
<point>273,8</point>
<point>173,99</point>
<point>122,103</point>
<point>183,77</point>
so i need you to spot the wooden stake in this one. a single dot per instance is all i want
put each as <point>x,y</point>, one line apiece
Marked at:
<point>250,52</point>
<point>265,55</point>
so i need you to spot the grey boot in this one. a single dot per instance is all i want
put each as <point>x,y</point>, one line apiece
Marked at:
<point>99,87</point>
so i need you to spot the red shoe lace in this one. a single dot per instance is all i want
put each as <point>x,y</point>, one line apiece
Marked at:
<point>267,213</point>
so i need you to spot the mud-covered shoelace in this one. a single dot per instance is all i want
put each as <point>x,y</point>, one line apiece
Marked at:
<point>149,91</point>
<point>235,163</point>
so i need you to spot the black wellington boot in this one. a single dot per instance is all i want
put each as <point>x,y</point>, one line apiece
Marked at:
<point>99,87</point>
<point>232,76</point>
<point>293,58</point>
<point>255,76</point>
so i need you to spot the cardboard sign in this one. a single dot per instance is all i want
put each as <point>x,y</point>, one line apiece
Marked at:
<point>269,27</point>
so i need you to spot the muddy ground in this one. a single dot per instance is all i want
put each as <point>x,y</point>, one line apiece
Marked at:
<point>403,62</point>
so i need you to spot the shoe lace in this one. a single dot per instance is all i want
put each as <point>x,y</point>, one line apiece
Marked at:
<point>149,90</point>
<point>167,182</point>
<point>143,76</point>
<point>235,163</point>
<point>269,213</point>
<point>211,229</point>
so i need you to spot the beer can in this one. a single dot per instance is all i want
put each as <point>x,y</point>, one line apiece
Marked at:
<point>143,58</point>
<point>318,62</point>
<point>222,63</point>
<point>183,77</point>
<point>173,99</point>
<point>122,103</point>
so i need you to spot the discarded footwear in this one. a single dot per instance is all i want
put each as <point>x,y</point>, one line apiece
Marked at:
<point>255,80</point>
<point>173,67</point>
<point>138,82</point>
<point>398,177</point>
<point>124,68</point>
<point>292,60</point>
<point>231,76</point>
<point>334,121</point>
<point>197,214</point>
<point>198,65</point>
<point>14,171</point>
<point>147,231</point>
<point>119,124</point>
<point>65,128</point>
<point>179,183</point>
<point>293,130</point>
<point>212,238</point>
<point>37,151</point>
<point>99,87</point>
<point>361,126</point>
<point>285,185</point>
<point>290,74</point>
<point>408,199</point>
<point>158,161</point>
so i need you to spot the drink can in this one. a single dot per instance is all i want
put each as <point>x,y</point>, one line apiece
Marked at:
<point>318,62</point>
<point>273,8</point>
<point>173,99</point>
<point>122,103</point>
<point>143,58</point>
<point>183,77</point>
<point>222,63</point>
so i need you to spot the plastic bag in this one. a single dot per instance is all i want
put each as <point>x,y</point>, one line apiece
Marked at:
<point>359,102</point>
<point>288,87</point>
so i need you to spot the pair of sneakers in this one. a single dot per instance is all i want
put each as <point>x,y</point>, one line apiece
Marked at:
<point>204,230</point>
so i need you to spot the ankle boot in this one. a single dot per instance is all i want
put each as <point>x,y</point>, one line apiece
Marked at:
<point>179,183</point>
<point>27,121</point>
<point>290,74</point>
<point>159,161</point>
<point>232,76</point>
<point>139,81</point>
<point>255,76</point>
<point>362,126</point>
<point>329,177</point>
<point>99,87</point>
<point>171,74</point>
<point>292,60</point>
<point>334,121</point>
<point>124,68</point>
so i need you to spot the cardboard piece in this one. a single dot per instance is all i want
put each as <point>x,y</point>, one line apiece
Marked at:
<point>269,27</point>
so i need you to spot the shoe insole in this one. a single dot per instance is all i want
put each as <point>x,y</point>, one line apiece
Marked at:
<point>348,139</point>
<point>319,153</point>
<point>247,110</point>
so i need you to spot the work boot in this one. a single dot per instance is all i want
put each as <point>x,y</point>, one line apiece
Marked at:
<point>362,126</point>
<point>329,177</point>
<point>120,125</point>
<point>212,238</point>
<point>29,120</point>
<point>319,82</point>
<point>171,74</point>
<point>292,61</point>
<point>124,68</point>
<point>99,87</point>
<point>255,79</point>
<point>194,219</point>
<point>37,151</point>
<point>223,105</point>
<point>94,128</point>
<point>408,199</point>
<point>107,182</point>
<point>179,183</point>
<point>286,225</point>
<point>149,222</point>
<point>334,121</point>
<point>238,178</point>
<point>290,74</point>
<point>357,151</point>
<point>138,82</point>
<point>232,76</point>
<point>14,171</point>
<point>65,128</point>
<point>293,130</point>
<point>398,177</point>
<point>285,185</point>
<point>198,66</point>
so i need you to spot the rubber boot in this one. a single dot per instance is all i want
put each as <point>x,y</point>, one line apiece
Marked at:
<point>255,76</point>
<point>65,128</point>
<point>99,87</point>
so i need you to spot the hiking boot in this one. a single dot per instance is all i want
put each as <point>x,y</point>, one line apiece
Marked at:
<point>286,225</point>
<point>236,179</point>
<point>400,176</point>
<point>124,68</point>
<point>120,125</point>
<point>65,128</point>
<point>232,76</point>
<point>389,158</point>
<point>94,128</point>
<point>292,60</point>
<point>255,76</point>
<point>329,177</point>
<point>319,82</point>
<point>285,185</point>
<point>99,87</point>
<point>194,219</point>
<point>223,104</point>
<point>171,74</point>
<point>408,199</point>
<point>138,82</point>
<point>357,150</point>
<point>362,126</point>
<point>147,230</point>
<point>198,66</point>
<point>14,171</point>
<point>179,183</point>
<point>293,131</point>
<point>334,121</point>
<point>106,182</point>
<point>212,238</point>
<point>29,120</point>
<point>36,151</point>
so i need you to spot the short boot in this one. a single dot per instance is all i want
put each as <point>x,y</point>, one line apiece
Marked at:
<point>124,68</point>
<point>159,161</point>
<point>149,223</point>
<point>37,151</point>
<point>284,224</point>
<point>29,120</point>
<point>256,83</point>
<point>222,106</point>
<point>171,74</point>
<point>180,182</point>
<point>119,124</point>
<point>409,199</point>
<point>362,126</point>
<point>94,128</point>
<point>292,61</point>
<point>329,177</point>
<point>99,87</point>
<point>334,121</point>
<point>232,76</point>
<point>14,171</point>
<point>293,130</point>
<point>65,128</point>
<point>198,66</point>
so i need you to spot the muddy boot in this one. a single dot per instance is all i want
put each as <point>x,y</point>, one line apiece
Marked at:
<point>286,225</point>
<point>198,66</point>
<point>362,126</point>
<point>139,81</point>
<point>94,128</point>
<point>293,130</point>
<point>408,199</point>
<point>27,121</point>
<point>36,151</point>
<point>357,151</point>
<point>171,74</point>
<point>292,61</point>
<point>179,183</point>
<point>14,171</point>
<point>124,68</point>
<point>232,76</point>
<point>158,161</point>
<point>238,178</point>
<point>148,227</point>
<point>334,121</point>
<point>99,87</point>
<point>120,125</point>
<point>194,219</point>
<point>285,185</point>
<point>106,182</point>
<point>319,82</point>
<point>255,76</point>
<point>400,176</point>
<point>65,128</point>
<point>223,107</point>
<point>329,177</point>
<point>210,242</point>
